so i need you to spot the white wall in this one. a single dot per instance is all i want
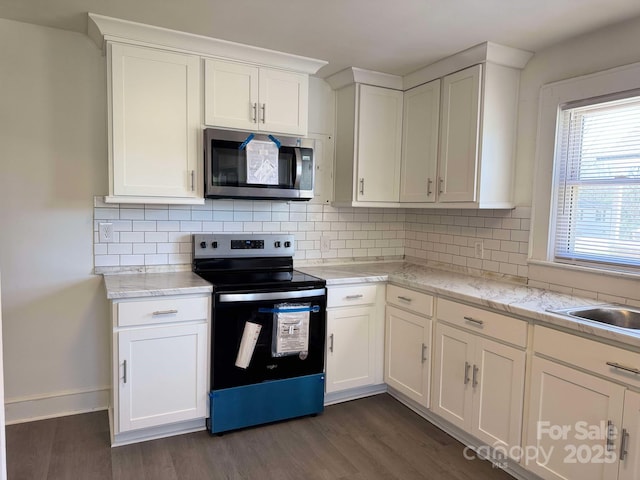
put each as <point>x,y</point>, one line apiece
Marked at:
<point>606,48</point>
<point>52,163</point>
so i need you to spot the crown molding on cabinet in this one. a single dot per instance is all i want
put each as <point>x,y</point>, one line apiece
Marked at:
<point>102,29</point>
<point>352,75</point>
<point>484,52</point>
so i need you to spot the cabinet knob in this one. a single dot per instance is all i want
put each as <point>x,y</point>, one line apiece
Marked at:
<point>362,186</point>
<point>254,118</point>
<point>429,182</point>
<point>264,112</point>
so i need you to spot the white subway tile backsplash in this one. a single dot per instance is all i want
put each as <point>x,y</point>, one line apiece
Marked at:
<point>156,214</point>
<point>156,237</point>
<point>179,214</point>
<point>144,226</point>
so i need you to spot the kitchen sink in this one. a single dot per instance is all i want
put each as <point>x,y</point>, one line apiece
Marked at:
<point>617,315</point>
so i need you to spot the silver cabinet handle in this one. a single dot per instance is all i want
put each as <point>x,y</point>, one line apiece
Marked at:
<point>466,372</point>
<point>264,112</point>
<point>440,181</point>
<point>624,444</point>
<point>254,118</point>
<point>331,343</point>
<point>474,320</point>
<point>124,377</point>
<point>610,434</point>
<point>354,297</point>
<point>429,182</point>
<point>475,376</point>
<point>362,186</point>
<point>406,299</point>
<point>164,312</point>
<point>623,367</point>
<point>424,349</point>
<point>193,180</point>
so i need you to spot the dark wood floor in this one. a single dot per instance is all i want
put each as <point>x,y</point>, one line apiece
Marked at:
<point>368,439</point>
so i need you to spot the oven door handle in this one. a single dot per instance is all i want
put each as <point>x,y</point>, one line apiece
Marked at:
<point>252,297</point>
<point>314,309</point>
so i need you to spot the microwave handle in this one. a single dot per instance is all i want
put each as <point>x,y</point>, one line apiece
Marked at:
<point>298,170</point>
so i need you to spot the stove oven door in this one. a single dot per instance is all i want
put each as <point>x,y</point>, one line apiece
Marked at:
<point>290,330</point>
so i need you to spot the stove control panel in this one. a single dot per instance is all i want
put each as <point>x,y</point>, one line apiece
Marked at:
<point>229,245</point>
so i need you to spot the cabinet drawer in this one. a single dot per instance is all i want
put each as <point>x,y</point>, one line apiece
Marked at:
<point>162,310</point>
<point>351,295</point>
<point>588,354</point>
<point>500,327</point>
<point>418,302</point>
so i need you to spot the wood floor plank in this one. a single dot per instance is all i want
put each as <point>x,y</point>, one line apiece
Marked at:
<point>374,438</point>
<point>79,448</point>
<point>29,449</point>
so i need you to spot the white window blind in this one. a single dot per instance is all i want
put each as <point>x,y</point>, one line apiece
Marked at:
<point>597,202</point>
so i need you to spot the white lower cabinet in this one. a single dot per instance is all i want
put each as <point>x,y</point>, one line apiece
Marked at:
<point>160,366</point>
<point>629,438</point>
<point>584,423</point>
<point>407,366</point>
<point>478,382</point>
<point>162,375</point>
<point>564,401</point>
<point>354,337</point>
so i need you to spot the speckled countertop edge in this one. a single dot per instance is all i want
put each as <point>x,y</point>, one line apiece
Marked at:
<point>138,285</point>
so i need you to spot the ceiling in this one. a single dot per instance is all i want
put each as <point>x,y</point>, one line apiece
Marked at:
<point>396,37</point>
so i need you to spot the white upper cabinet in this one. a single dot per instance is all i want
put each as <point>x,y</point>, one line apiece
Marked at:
<point>458,162</point>
<point>231,94</point>
<point>457,133</point>
<point>154,126</point>
<point>368,145</point>
<point>249,97</point>
<point>420,128</point>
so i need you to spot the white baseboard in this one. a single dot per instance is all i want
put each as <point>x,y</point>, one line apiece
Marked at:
<point>57,404</point>
<point>354,393</point>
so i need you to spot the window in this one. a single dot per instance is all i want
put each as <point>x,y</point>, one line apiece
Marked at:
<point>596,210</point>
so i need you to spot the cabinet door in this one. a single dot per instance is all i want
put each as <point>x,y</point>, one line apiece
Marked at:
<point>407,354</point>
<point>452,385</point>
<point>284,99</point>
<point>154,122</point>
<point>420,143</point>
<point>379,144</point>
<point>564,403</point>
<point>350,348</point>
<point>230,94</point>
<point>162,375</point>
<point>628,438</point>
<point>459,134</point>
<point>497,378</point>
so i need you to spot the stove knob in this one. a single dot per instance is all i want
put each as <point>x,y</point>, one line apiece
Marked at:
<point>276,244</point>
<point>203,244</point>
<point>214,244</point>
<point>287,244</point>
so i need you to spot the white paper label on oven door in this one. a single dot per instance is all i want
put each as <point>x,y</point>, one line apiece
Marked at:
<point>291,330</point>
<point>248,344</point>
<point>262,163</point>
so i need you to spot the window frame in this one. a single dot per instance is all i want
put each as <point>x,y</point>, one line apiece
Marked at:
<point>559,191</point>
<point>542,265</point>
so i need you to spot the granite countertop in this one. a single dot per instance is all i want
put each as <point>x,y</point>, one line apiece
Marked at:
<point>512,298</point>
<point>132,285</point>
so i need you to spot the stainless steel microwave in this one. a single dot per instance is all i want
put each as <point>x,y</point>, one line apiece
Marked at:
<point>250,165</point>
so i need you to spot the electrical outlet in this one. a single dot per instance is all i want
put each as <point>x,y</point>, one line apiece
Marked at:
<point>105,231</point>
<point>325,244</point>
<point>478,248</point>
